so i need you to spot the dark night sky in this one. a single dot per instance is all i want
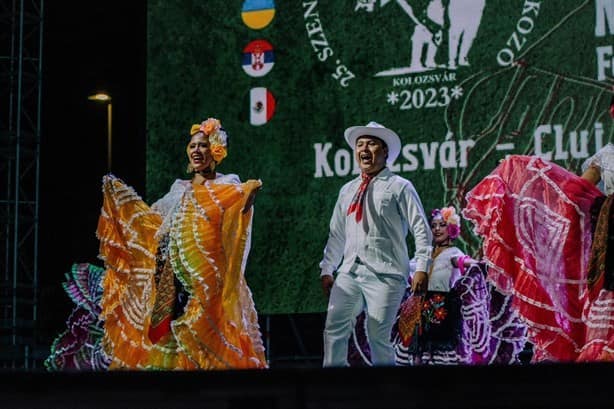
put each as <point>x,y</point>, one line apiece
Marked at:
<point>88,46</point>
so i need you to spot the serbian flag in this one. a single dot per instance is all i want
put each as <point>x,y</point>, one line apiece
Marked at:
<point>262,106</point>
<point>258,58</point>
<point>257,14</point>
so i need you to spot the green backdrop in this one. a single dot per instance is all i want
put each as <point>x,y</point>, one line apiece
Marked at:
<point>538,81</point>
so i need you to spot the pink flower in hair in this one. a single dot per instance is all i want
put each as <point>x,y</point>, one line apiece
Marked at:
<point>453,230</point>
<point>449,216</point>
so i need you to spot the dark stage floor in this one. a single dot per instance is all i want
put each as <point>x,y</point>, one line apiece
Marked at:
<point>523,386</point>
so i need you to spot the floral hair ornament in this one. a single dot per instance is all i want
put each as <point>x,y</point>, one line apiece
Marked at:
<point>451,218</point>
<point>218,139</point>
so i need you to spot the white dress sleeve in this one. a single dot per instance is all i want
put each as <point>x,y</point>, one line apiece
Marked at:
<point>168,203</point>
<point>604,159</point>
<point>230,178</point>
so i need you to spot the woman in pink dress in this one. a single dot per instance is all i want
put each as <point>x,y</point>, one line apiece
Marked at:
<point>537,222</point>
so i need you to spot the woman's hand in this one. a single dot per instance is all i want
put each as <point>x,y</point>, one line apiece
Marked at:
<point>592,174</point>
<point>419,282</point>
<point>251,198</point>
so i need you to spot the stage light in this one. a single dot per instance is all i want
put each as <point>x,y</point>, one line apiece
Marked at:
<point>102,97</point>
<point>106,99</point>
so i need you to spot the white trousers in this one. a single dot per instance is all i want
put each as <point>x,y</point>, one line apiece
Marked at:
<point>380,296</point>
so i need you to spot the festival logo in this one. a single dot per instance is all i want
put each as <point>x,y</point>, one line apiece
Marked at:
<point>456,58</point>
<point>261,106</point>
<point>258,58</point>
<point>257,14</point>
<point>470,80</point>
<point>458,21</point>
<point>436,38</point>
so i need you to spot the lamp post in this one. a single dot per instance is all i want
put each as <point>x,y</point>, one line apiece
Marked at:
<point>106,99</point>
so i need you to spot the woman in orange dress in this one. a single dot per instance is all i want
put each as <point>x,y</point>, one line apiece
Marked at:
<point>174,293</point>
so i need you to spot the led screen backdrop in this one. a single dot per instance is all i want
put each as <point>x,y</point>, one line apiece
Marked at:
<point>463,82</point>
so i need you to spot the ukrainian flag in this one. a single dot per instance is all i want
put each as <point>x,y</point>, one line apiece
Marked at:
<point>257,14</point>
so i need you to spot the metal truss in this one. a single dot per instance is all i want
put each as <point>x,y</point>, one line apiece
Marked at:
<point>21,43</point>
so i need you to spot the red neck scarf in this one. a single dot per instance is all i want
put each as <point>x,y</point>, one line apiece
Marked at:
<point>359,197</point>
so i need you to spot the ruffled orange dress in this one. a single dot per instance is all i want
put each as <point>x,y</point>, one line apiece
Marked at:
<point>197,236</point>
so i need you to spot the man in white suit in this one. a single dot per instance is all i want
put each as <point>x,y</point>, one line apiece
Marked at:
<point>367,247</point>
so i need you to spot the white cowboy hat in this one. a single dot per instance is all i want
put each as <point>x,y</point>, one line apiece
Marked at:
<point>391,139</point>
